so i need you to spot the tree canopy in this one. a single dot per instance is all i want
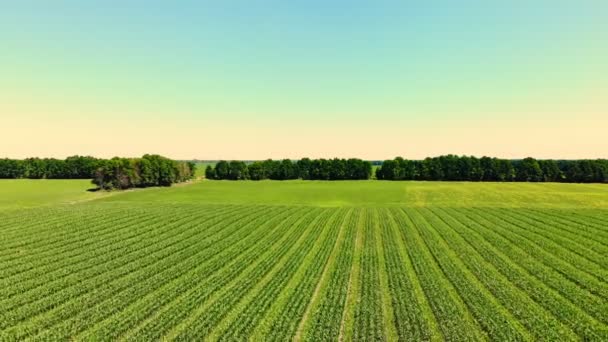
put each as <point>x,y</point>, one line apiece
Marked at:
<point>115,173</point>
<point>465,168</point>
<point>75,167</point>
<point>149,170</point>
<point>307,169</point>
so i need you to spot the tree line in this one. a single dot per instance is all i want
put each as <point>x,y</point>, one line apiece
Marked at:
<point>155,170</point>
<point>75,167</point>
<point>115,173</point>
<point>149,170</point>
<point>306,168</point>
<point>486,169</point>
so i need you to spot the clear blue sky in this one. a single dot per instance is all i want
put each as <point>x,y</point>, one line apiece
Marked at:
<point>258,79</point>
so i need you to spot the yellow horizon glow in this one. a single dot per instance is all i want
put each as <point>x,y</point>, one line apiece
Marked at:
<point>577,137</point>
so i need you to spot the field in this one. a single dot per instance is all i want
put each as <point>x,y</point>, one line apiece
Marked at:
<point>23,193</point>
<point>200,168</point>
<point>304,260</point>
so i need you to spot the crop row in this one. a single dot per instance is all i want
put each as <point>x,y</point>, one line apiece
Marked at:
<point>186,260</point>
<point>285,315</point>
<point>325,319</point>
<point>514,256</point>
<point>368,318</point>
<point>254,296</point>
<point>186,308</point>
<point>165,255</point>
<point>235,272</point>
<point>96,254</point>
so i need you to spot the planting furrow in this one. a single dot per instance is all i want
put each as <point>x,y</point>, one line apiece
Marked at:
<point>563,234</point>
<point>598,218</point>
<point>242,275</point>
<point>344,237</point>
<point>369,312</point>
<point>31,303</point>
<point>165,271</point>
<point>28,260</point>
<point>21,288</point>
<point>257,292</point>
<point>98,261</point>
<point>414,318</point>
<point>543,284</point>
<point>583,225</point>
<point>497,322</point>
<point>353,288</point>
<point>323,322</point>
<point>68,224</point>
<point>288,307</point>
<point>578,270</point>
<point>29,221</point>
<point>463,269</point>
<point>58,256</point>
<point>388,311</point>
<point>37,243</point>
<point>586,231</point>
<point>165,307</point>
<point>70,220</point>
<point>95,234</point>
<point>452,314</point>
<point>85,230</point>
<point>154,262</point>
<point>506,280</point>
<point>9,218</point>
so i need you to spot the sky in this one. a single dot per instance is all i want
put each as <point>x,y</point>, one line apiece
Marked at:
<point>248,79</point>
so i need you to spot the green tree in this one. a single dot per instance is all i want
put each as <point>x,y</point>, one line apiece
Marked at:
<point>528,170</point>
<point>222,170</point>
<point>304,168</point>
<point>237,170</point>
<point>210,172</point>
<point>256,171</point>
<point>550,171</point>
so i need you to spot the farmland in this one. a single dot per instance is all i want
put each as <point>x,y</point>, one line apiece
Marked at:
<point>25,193</point>
<point>297,260</point>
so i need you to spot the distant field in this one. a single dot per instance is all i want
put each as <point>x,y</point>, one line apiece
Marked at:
<point>301,260</point>
<point>200,168</point>
<point>23,193</point>
<point>380,193</point>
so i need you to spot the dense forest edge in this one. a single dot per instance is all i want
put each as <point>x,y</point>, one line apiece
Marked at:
<point>486,169</point>
<point>306,169</point>
<point>107,174</point>
<point>442,168</point>
<point>155,170</point>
